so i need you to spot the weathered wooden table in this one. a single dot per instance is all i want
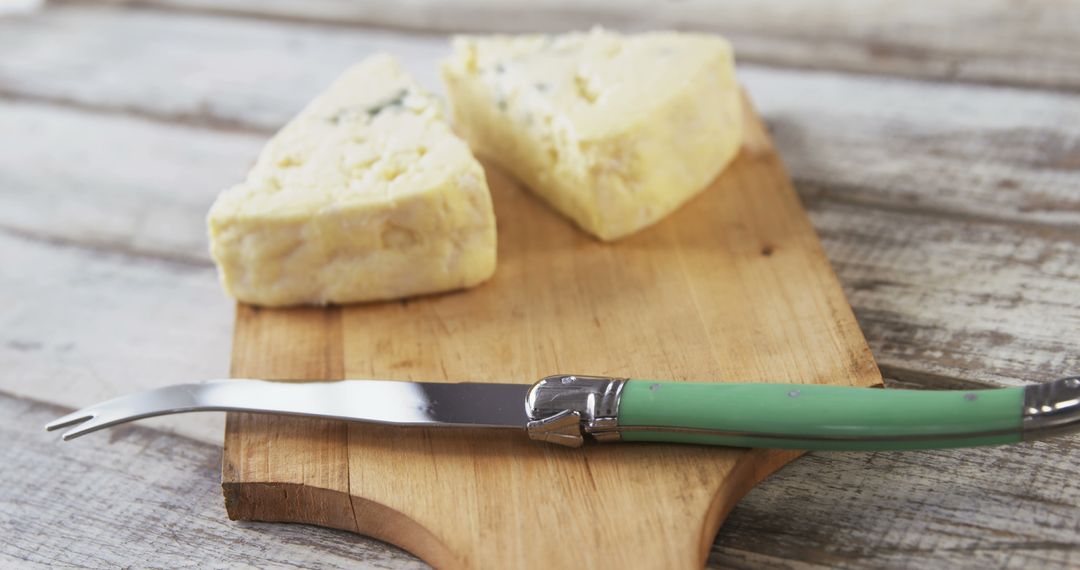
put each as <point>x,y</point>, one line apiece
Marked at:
<point>936,146</point>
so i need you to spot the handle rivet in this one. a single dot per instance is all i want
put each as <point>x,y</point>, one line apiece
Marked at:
<point>971,396</point>
<point>794,394</point>
<point>654,387</point>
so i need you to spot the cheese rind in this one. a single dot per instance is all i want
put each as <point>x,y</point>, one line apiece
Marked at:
<point>614,131</point>
<point>365,195</point>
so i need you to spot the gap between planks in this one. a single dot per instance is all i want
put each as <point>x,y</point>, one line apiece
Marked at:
<point>195,119</point>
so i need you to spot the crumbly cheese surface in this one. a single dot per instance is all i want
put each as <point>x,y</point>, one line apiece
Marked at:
<point>365,195</point>
<point>615,131</point>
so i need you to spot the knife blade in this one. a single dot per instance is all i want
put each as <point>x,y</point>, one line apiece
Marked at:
<point>571,409</point>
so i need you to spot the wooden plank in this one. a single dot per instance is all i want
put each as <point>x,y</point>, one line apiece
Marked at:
<point>115,182</point>
<point>1008,507</point>
<point>949,289</point>
<point>947,150</point>
<point>942,297</point>
<point>140,497</point>
<point>962,149</point>
<point>659,304</point>
<point>1031,43</point>
<point>135,496</point>
<point>81,325</point>
<point>937,299</point>
<point>183,68</point>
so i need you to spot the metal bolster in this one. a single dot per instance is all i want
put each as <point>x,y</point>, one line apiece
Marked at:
<point>566,408</point>
<point>1052,408</point>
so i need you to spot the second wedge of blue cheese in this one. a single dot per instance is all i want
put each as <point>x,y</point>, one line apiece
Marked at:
<point>365,195</point>
<point>615,131</point>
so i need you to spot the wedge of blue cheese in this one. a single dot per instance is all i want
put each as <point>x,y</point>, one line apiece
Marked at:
<point>365,195</point>
<point>615,131</point>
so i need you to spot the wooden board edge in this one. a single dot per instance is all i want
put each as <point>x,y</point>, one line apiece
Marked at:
<point>295,503</point>
<point>288,502</point>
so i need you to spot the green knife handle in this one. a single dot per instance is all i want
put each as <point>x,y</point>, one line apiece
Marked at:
<point>817,417</point>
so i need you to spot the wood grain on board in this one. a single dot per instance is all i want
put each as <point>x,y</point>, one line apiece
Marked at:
<point>733,286</point>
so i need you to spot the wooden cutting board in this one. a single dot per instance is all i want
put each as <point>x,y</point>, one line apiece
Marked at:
<point>733,286</point>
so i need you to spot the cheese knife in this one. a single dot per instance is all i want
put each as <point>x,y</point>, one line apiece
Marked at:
<point>571,409</point>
